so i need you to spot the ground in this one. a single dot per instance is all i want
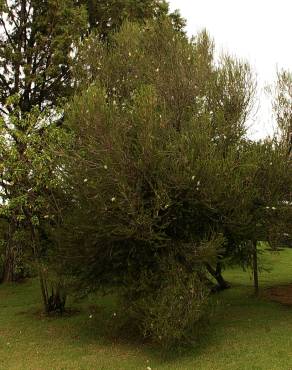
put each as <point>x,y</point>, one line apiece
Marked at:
<point>244,332</point>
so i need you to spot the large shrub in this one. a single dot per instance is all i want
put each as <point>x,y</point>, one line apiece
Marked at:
<point>162,178</point>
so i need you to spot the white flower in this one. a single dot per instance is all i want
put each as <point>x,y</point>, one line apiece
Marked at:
<point>273,208</point>
<point>267,207</point>
<point>85,180</point>
<point>199,183</point>
<point>114,314</point>
<point>157,69</point>
<point>90,316</point>
<point>148,368</point>
<point>113,199</point>
<point>193,178</point>
<point>46,216</point>
<point>130,54</point>
<point>105,167</point>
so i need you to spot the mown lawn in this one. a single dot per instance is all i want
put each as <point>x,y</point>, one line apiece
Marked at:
<point>244,332</point>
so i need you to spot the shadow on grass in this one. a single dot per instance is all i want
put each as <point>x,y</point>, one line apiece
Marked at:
<point>102,325</point>
<point>97,321</point>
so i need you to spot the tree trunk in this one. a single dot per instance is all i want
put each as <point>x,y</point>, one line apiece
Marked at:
<point>54,302</point>
<point>8,266</point>
<point>43,286</point>
<point>255,268</point>
<point>9,258</point>
<point>217,274</point>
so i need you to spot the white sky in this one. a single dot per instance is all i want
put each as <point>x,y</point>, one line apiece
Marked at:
<point>259,31</point>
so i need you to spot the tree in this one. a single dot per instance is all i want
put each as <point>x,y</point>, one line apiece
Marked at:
<point>156,170</point>
<point>36,51</point>
<point>282,96</point>
<point>256,204</point>
<point>32,191</point>
<point>38,47</point>
<point>105,17</point>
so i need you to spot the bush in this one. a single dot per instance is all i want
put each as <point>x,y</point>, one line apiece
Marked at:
<point>159,168</point>
<point>168,311</point>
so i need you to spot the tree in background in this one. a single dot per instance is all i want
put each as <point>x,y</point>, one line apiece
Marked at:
<point>282,104</point>
<point>36,52</point>
<point>282,107</point>
<point>35,193</point>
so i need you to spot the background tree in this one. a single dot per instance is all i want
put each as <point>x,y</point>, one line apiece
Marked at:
<point>282,96</point>
<point>36,51</point>
<point>36,193</point>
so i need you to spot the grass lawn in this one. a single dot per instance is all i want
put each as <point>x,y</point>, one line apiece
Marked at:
<point>244,332</point>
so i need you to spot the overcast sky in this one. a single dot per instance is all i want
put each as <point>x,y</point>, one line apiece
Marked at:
<point>259,31</point>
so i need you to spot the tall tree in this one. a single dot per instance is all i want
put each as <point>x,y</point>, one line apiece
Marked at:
<point>282,105</point>
<point>37,41</point>
<point>157,168</point>
<point>38,45</point>
<point>105,16</point>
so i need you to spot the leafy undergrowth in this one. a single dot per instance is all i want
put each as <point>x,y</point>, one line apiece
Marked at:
<point>244,332</point>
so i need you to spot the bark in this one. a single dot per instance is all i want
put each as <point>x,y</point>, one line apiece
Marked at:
<point>54,302</point>
<point>217,274</point>
<point>8,275</point>
<point>8,266</point>
<point>255,268</point>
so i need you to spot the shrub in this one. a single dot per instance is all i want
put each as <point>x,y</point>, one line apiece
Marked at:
<point>159,168</point>
<point>167,307</point>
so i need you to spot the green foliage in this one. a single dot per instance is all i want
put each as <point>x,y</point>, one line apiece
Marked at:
<point>161,156</point>
<point>166,307</point>
<point>106,17</point>
<point>30,184</point>
<point>159,166</point>
<point>28,176</point>
<point>282,95</point>
<point>37,46</point>
<point>36,50</point>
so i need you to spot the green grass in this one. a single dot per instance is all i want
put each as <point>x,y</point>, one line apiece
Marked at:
<point>244,332</point>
